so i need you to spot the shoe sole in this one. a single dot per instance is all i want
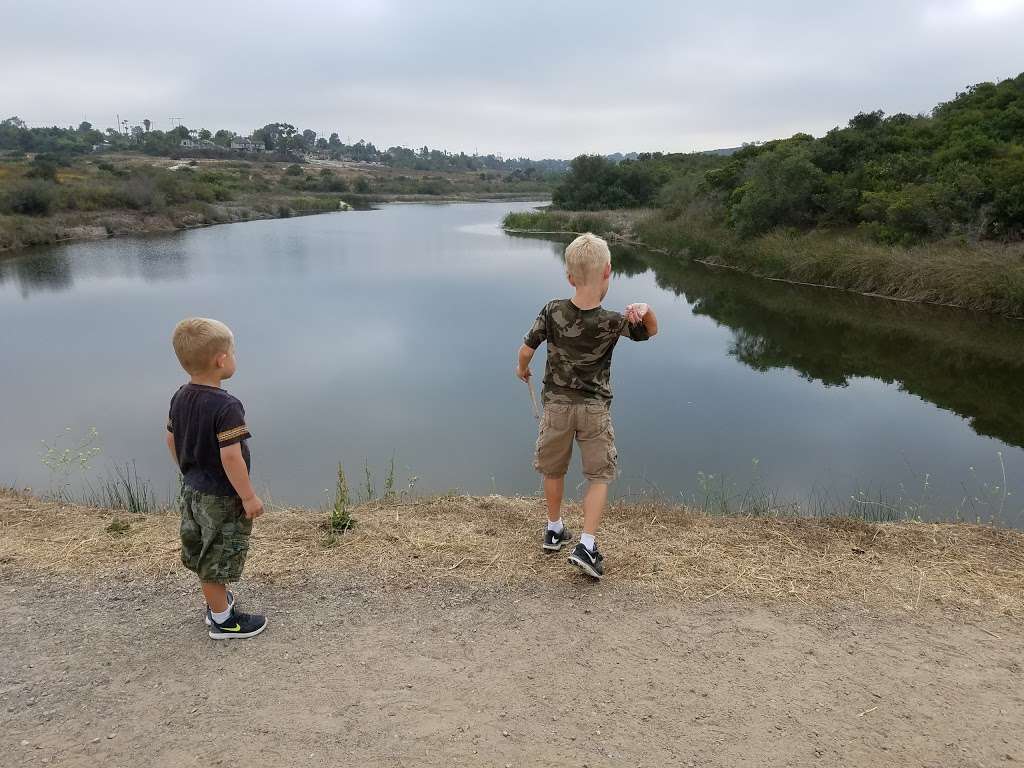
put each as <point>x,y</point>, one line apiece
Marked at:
<point>558,546</point>
<point>236,635</point>
<point>587,568</point>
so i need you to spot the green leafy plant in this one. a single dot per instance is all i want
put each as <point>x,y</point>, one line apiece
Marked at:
<point>369,488</point>
<point>340,518</point>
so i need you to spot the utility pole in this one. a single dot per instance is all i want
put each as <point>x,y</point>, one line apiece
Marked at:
<point>173,121</point>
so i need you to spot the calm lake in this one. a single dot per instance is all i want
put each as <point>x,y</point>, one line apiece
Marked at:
<point>393,332</point>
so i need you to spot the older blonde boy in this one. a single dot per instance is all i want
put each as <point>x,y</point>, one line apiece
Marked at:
<point>577,394</point>
<point>208,440</point>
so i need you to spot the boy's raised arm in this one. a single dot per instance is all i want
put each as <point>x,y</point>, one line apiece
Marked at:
<point>640,314</point>
<point>650,322</point>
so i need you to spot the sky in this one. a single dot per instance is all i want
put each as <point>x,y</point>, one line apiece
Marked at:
<point>526,78</point>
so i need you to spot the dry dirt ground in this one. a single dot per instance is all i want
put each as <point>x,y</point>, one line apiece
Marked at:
<point>380,657</point>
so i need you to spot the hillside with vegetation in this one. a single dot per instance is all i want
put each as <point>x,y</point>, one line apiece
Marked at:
<point>59,184</point>
<point>925,207</point>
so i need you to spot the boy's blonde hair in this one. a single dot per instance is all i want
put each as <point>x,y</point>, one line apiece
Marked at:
<point>586,258</point>
<point>198,339</point>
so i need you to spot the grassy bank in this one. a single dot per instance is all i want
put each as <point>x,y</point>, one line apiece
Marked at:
<point>981,276</point>
<point>45,200</point>
<point>905,566</point>
<point>551,220</point>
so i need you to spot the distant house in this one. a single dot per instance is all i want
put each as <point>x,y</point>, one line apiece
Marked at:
<point>191,143</point>
<point>102,147</point>
<point>240,144</point>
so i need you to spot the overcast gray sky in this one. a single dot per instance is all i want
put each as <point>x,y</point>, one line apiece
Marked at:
<point>542,79</point>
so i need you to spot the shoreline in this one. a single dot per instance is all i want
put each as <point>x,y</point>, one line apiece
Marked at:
<point>907,567</point>
<point>137,224</point>
<point>790,256</point>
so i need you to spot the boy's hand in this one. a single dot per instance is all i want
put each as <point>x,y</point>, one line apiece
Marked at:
<point>253,507</point>
<point>524,373</point>
<point>635,313</point>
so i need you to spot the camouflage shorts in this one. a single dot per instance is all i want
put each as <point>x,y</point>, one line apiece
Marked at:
<point>214,535</point>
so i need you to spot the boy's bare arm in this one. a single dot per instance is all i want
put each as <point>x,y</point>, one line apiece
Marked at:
<point>651,322</point>
<point>234,467</point>
<point>642,313</point>
<point>525,356</point>
<point>170,447</point>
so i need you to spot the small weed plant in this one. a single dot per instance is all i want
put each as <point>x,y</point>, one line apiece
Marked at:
<point>339,517</point>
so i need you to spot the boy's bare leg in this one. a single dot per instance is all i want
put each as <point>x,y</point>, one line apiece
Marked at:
<point>554,489</point>
<point>216,596</point>
<point>593,506</point>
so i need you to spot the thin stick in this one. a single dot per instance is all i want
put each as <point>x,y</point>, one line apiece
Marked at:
<point>867,711</point>
<point>987,632</point>
<point>533,400</point>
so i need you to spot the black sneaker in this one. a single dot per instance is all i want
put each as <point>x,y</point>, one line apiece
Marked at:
<point>208,617</point>
<point>238,625</point>
<point>554,541</point>
<point>591,563</point>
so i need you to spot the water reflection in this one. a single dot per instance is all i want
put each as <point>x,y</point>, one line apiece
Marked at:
<point>159,258</point>
<point>968,364</point>
<point>362,336</point>
<point>47,271</point>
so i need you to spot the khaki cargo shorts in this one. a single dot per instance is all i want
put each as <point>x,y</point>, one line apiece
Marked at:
<point>214,535</point>
<point>590,424</point>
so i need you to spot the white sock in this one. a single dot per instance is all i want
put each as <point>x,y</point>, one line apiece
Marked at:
<point>556,526</point>
<point>587,540</point>
<point>221,617</point>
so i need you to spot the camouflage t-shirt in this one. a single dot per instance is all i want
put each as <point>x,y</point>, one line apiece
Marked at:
<point>580,345</point>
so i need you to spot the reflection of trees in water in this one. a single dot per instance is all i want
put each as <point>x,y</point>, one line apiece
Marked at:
<point>47,271</point>
<point>969,364</point>
<point>56,268</point>
<point>626,261</point>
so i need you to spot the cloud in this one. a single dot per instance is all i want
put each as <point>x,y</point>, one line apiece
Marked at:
<point>533,78</point>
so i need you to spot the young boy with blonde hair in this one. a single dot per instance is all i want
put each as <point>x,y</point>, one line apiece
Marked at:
<point>581,336</point>
<point>207,437</point>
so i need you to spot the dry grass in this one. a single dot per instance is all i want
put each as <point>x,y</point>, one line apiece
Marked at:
<point>985,276</point>
<point>670,552</point>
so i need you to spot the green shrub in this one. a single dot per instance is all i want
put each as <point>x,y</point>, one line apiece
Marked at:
<point>43,167</point>
<point>33,197</point>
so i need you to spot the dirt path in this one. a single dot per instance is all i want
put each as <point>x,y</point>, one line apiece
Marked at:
<point>120,672</point>
<point>733,642</point>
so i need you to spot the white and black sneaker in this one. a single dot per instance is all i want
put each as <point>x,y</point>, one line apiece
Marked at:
<point>208,617</point>
<point>238,626</point>
<point>554,541</point>
<point>590,562</point>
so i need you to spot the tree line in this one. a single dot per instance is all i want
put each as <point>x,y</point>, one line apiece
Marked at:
<point>282,140</point>
<point>899,179</point>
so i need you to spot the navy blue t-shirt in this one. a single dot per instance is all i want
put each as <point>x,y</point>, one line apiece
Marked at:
<point>203,420</point>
